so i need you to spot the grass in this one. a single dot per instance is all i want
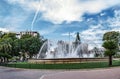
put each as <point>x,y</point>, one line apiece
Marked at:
<point>87,65</point>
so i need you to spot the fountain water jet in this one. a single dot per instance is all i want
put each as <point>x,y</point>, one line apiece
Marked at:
<point>67,52</point>
<point>62,49</point>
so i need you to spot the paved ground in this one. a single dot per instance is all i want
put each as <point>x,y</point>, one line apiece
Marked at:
<point>11,73</point>
<point>113,73</point>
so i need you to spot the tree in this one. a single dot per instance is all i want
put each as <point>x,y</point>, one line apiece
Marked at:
<point>16,47</point>
<point>7,45</point>
<point>31,44</point>
<point>35,46</point>
<point>11,46</point>
<point>110,47</point>
<point>5,49</point>
<point>10,35</point>
<point>113,35</point>
<point>26,36</point>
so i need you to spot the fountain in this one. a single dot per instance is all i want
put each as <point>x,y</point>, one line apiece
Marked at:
<point>62,51</point>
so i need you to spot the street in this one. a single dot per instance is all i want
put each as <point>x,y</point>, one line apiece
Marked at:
<point>12,73</point>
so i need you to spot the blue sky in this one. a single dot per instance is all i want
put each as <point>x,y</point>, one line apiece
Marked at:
<point>54,19</point>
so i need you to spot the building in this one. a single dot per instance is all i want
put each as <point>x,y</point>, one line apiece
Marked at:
<point>33,33</point>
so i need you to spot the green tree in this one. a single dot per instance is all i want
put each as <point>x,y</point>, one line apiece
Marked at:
<point>17,47</point>
<point>10,35</point>
<point>34,46</point>
<point>1,34</point>
<point>110,47</point>
<point>113,35</point>
<point>26,36</point>
<point>5,49</point>
<point>7,45</point>
<point>11,46</point>
<point>31,44</point>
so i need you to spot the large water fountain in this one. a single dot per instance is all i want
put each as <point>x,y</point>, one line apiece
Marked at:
<point>61,49</point>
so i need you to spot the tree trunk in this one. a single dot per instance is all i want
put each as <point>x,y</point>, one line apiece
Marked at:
<point>110,60</point>
<point>0,60</point>
<point>7,59</point>
<point>30,56</point>
<point>4,59</point>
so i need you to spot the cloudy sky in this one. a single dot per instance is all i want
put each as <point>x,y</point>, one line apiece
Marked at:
<point>54,19</point>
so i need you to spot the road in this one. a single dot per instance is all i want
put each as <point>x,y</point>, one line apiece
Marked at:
<point>110,73</point>
<point>13,73</point>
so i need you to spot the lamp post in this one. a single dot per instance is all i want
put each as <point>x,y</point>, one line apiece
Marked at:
<point>69,42</point>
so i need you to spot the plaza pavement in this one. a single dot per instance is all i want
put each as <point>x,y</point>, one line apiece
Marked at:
<point>13,73</point>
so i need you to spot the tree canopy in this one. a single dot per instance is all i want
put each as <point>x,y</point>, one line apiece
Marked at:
<point>111,40</point>
<point>113,35</point>
<point>11,46</point>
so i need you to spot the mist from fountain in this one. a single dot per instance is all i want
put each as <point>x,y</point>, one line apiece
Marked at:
<point>62,49</point>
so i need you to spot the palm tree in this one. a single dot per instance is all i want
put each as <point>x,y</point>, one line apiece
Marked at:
<point>5,49</point>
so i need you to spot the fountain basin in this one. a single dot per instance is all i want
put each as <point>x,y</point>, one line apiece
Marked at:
<point>66,60</point>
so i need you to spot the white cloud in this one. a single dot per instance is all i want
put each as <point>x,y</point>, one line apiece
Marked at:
<point>114,23</point>
<point>102,14</point>
<point>94,34</point>
<point>48,30</point>
<point>58,11</point>
<point>4,30</point>
<point>25,4</point>
<point>69,34</point>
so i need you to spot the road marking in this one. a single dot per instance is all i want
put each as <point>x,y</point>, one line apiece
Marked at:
<point>42,77</point>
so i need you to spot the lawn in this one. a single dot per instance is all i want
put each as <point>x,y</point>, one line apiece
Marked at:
<point>87,65</point>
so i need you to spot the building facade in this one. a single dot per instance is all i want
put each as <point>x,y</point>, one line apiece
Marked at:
<point>33,33</point>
